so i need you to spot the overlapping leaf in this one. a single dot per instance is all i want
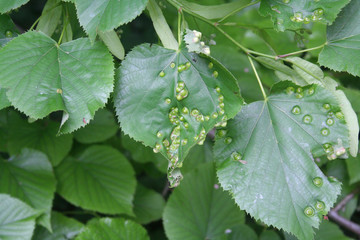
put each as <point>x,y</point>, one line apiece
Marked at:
<point>170,99</point>
<point>113,229</point>
<point>30,178</point>
<point>41,77</point>
<point>105,15</point>
<point>342,49</point>
<point>292,14</point>
<point>199,208</point>
<point>6,6</point>
<point>101,179</point>
<point>265,156</point>
<point>17,219</point>
<point>40,135</point>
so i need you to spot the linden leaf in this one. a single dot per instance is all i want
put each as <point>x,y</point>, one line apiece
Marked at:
<point>6,6</point>
<point>265,156</point>
<point>292,14</point>
<point>43,77</point>
<point>170,99</point>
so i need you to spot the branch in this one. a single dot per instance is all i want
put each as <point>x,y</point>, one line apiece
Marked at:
<point>334,214</point>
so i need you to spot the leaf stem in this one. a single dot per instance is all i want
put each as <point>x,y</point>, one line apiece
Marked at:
<point>42,15</point>
<point>301,51</point>
<point>257,77</point>
<point>65,16</point>
<point>179,26</point>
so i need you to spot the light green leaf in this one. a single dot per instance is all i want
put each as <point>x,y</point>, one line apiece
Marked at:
<point>40,135</point>
<point>112,41</point>
<point>148,205</point>
<point>342,51</point>
<point>6,6</point>
<point>47,77</point>
<point>30,178</point>
<point>266,157</point>
<point>101,179</point>
<point>291,14</point>
<point>63,228</point>
<point>17,219</point>
<point>199,208</point>
<point>103,127</point>
<point>213,11</point>
<point>106,15</point>
<point>50,17</point>
<point>113,229</point>
<point>152,111</point>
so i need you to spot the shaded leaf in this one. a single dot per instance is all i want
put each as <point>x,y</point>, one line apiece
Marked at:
<point>113,229</point>
<point>50,17</point>
<point>47,77</point>
<point>6,6</point>
<point>100,179</point>
<point>30,178</point>
<point>242,232</point>
<point>277,141</point>
<point>199,208</point>
<point>330,231</point>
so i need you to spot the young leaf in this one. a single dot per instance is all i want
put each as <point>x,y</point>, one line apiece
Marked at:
<point>170,99</point>
<point>148,205</point>
<point>101,179</point>
<point>17,219</point>
<point>265,156</point>
<point>50,17</point>
<point>292,14</point>
<point>103,127</point>
<point>30,178</point>
<point>6,6</point>
<point>199,208</point>
<point>63,228</point>
<point>43,77</point>
<point>113,229</point>
<point>342,52</point>
<point>40,135</point>
<point>106,15</point>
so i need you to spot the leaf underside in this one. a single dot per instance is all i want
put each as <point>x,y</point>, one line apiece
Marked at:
<point>277,141</point>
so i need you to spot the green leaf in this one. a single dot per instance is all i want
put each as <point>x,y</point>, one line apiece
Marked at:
<point>291,14</point>
<point>330,231</point>
<point>265,157</point>
<point>148,205</point>
<point>342,52</point>
<point>7,29</point>
<point>6,6</point>
<point>105,15</point>
<point>4,102</point>
<point>242,232</point>
<point>101,179</point>
<point>103,127</point>
<point>63,228</point>
<point>269,235</point>
<point>48,77</point>
<point>113,43</point>
<point>50,17</point>
<point>150,109</point>
<point>30,178</point>
<point>199,208</point>
<point>213,11</point>
<point>17,219</point>
<point>40,135</point>
<point>353,169</point>
<point>113,229</point>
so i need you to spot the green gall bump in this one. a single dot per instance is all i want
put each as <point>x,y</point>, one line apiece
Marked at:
<point>290,90</point>
<point>307,119</point>
<point>221,133</point>
<point>311,90</point>
<point>168,101</point>
<point>157,148</point>
<point>306,20</point>
<point>185,110</point>
<point>299,95</point>
<point>187,65</point>
<point>194,112</point>
<point>159,134</point>
<point>207,118</point>
<point>221,98</point>
<point>217,89</point>
<point>162,74</point>
<point>221,112</point>
<point>296,110</point>
<point>330,121</point>
<point>186,125</point>
<point>184,142</point>
<point>214,115</point>
<point>299,90</point>
<point>215,74</point>
<point>199,118</point>
<point>8,34</point>
<point>325,131</point>
<point>166,142</point>
<point>309,211</point>
<point>319,12</point>
<point>181,68</point>
<point>211,65</point>
<point>286,1</point>
<point>320,206</point>
<point>236,156</point>
<point>292,18</point>
<point>339,115</point>
<point>228,140</point>
<point>332,179</point>
<point>222,105</point>
<point>327,106</point>
<point>318,182</point>
<point>172,65</point>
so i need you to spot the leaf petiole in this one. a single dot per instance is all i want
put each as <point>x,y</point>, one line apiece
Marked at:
<point>257,77</point>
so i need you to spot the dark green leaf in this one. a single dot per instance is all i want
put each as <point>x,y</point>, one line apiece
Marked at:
<point>7,29</point>
<point>101,179</point>
<point>342,51</point>
<point>17,220</point>
<point>151,110</point>
<point>40,135</point>
<point>105,15</point>
<point>63,228</point>
<point>330,231</point>
<point>291,14</point>
<point>242,232</point>
<point>103,127</point>
<point>266,156</point>
<point>199,208</point>
<point>6,6</point>
<point>113,229</point>
<point>43,77</point>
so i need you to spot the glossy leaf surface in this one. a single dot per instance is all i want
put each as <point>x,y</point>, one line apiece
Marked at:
<point>6,6</point>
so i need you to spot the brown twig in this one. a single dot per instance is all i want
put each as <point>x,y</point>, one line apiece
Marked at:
<point>334,214</point>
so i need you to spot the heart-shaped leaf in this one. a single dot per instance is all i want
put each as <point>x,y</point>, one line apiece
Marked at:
<point>265,156</point>
<point>170,99</point>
